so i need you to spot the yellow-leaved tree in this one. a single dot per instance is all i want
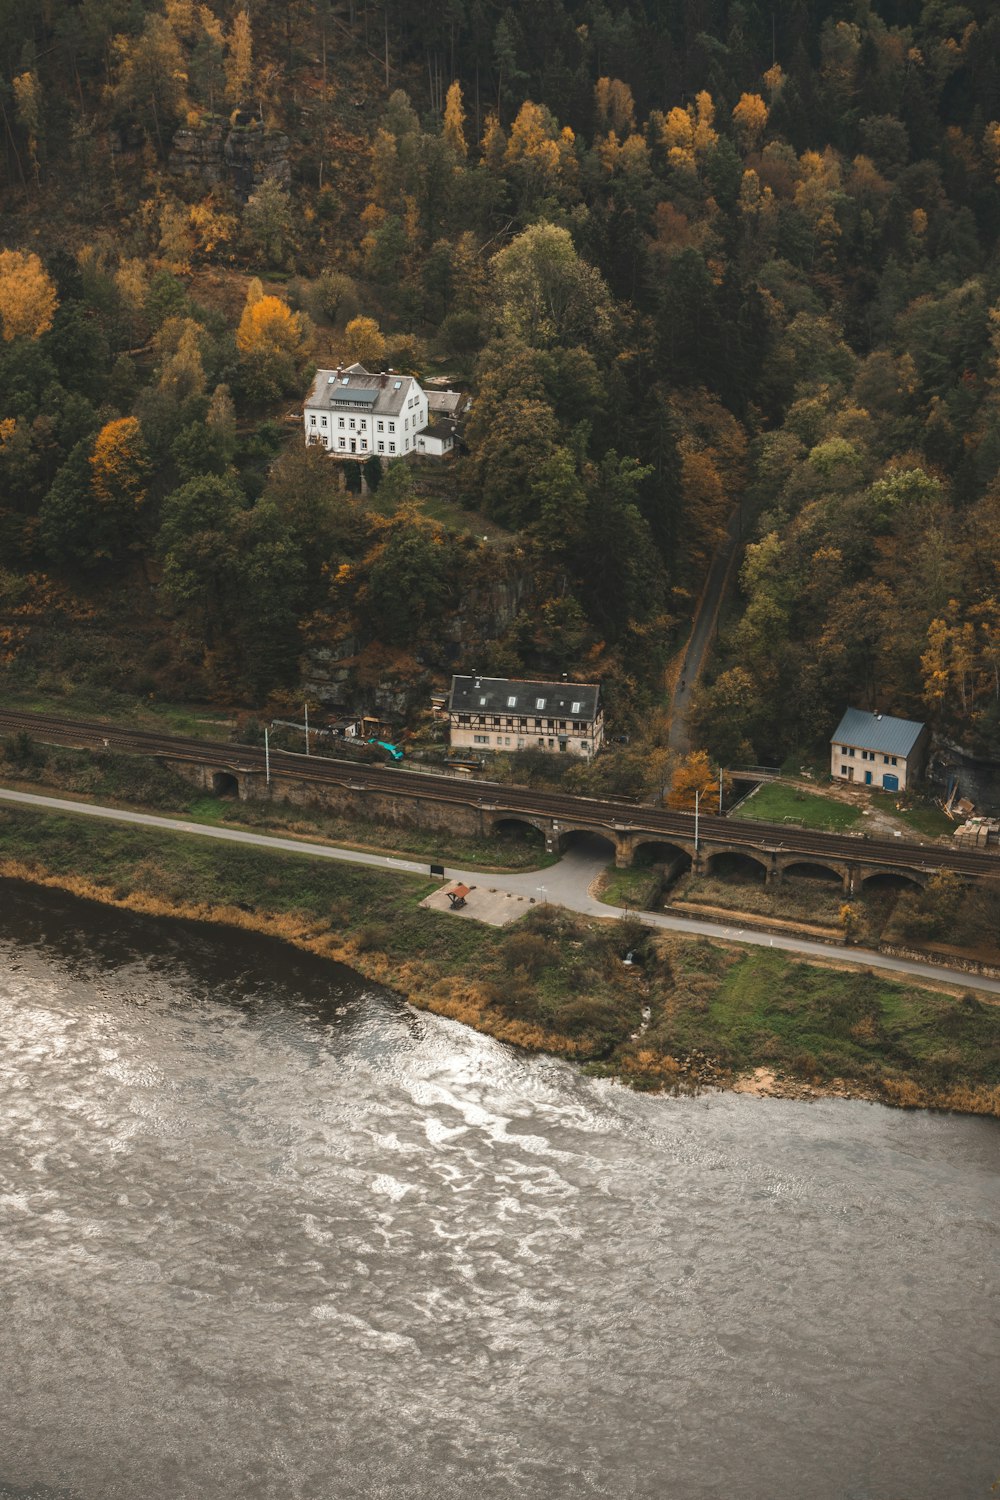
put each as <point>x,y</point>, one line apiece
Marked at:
<point>365,343</point>
<point>454,120</point>
<point>119,466</point>
<point>272,343</point>
<point>695,774</point>
<point>27,296</point>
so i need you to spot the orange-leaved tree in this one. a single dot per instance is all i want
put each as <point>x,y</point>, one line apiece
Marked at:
<point>120,465</point>
<point>27,296</point>
<point>271,341</point>
<point>696,774</point>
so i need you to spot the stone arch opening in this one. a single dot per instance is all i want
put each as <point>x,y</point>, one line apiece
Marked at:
<point>736,867</point>
<point>225,784</point>
<point>890,881</point>
<point>670,858</point>
<point>517,833</point>
<point>583,841</point>
<point>822,874</point>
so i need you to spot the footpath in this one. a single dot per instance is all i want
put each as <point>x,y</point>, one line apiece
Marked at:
<point>565,884</point>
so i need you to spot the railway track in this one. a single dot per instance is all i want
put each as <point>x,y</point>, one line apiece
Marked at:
<point>612,816</point>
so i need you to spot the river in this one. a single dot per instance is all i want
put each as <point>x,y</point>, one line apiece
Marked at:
<point>267,1232</point>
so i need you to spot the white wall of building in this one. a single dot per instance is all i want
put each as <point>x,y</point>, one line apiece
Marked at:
<point>854,763</point>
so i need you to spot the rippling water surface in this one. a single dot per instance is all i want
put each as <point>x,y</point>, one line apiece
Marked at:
<point>266,1232</point>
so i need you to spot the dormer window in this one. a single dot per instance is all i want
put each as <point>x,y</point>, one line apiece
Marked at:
<point>576,707</point>
<point>482,703</point>
<point>512,702</point>
<point>539,702</point>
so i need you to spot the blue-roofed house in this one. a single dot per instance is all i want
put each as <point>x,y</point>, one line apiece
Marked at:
<point>877,750</point>
<point>352,413</point>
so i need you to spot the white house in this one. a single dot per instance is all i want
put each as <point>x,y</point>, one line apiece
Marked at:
<point>437,439</point>
<point>353,414</point>
<point>500,714</point>
<point>877,750</point>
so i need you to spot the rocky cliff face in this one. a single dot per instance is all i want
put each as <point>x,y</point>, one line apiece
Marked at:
<point>241,156</point>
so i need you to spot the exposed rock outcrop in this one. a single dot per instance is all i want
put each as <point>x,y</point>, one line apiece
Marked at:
<point>241,156</point>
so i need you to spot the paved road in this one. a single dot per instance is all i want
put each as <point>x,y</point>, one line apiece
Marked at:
<point>565,884</point>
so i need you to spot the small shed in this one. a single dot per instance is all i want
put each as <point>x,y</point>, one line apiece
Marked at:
<point>878,750</point>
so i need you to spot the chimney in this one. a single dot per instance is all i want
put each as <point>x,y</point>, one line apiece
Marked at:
<point>383,378</point>
<point>340,371</point>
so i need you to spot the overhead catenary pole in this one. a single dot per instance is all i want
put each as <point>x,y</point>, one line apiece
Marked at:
<point>720,788</point>
<point>267,757</point>
<point>307,730</point>
<point>697,799</point>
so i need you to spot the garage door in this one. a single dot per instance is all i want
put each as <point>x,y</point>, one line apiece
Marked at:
<point>891,783</point>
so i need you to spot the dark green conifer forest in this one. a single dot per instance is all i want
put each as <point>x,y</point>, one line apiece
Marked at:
<point>688,257</point>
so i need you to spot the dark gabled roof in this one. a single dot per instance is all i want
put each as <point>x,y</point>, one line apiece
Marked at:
<point>505,695</point>
<point>440,430</point>
<point>881,732</point>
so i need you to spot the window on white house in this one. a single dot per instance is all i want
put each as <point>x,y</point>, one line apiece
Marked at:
<point>352,424</point>
<point>312,420</point>
<point>381,427</point>
<point>392,427</point>
<point>392,447</point>
<point>381,447</point>
<point>343,442</point>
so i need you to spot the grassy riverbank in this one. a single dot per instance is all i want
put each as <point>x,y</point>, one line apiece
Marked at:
<point>553,981</point>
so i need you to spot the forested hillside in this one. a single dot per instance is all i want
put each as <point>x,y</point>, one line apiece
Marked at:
<point>686,257</point>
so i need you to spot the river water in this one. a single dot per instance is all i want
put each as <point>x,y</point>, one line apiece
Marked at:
<point>266,1232</point>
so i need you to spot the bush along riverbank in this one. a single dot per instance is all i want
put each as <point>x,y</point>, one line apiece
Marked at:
<point>688,1014</point>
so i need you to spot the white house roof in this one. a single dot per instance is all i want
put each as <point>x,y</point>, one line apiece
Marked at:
<point>353,388</point>
<point>877,732</point>
<point>554,700</point>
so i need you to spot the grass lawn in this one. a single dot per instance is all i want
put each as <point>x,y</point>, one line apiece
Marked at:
<point>922,817</point>
<point>774,802</point>
<point>636,887</point>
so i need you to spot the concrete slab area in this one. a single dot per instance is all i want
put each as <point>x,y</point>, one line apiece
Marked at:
<point>484,903</point>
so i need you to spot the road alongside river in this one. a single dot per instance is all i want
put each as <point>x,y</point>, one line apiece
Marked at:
<point>565,884</point>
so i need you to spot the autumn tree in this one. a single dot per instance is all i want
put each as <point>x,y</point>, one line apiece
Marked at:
<point>695,774</point>
<point>120,468</point>
<point>454,120</point>
<point>239,58</point>
<point>271,342</point>
<point>365,343</point>
<point>614,107</point>
<point>27,296</point>
<point>750,118</point>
